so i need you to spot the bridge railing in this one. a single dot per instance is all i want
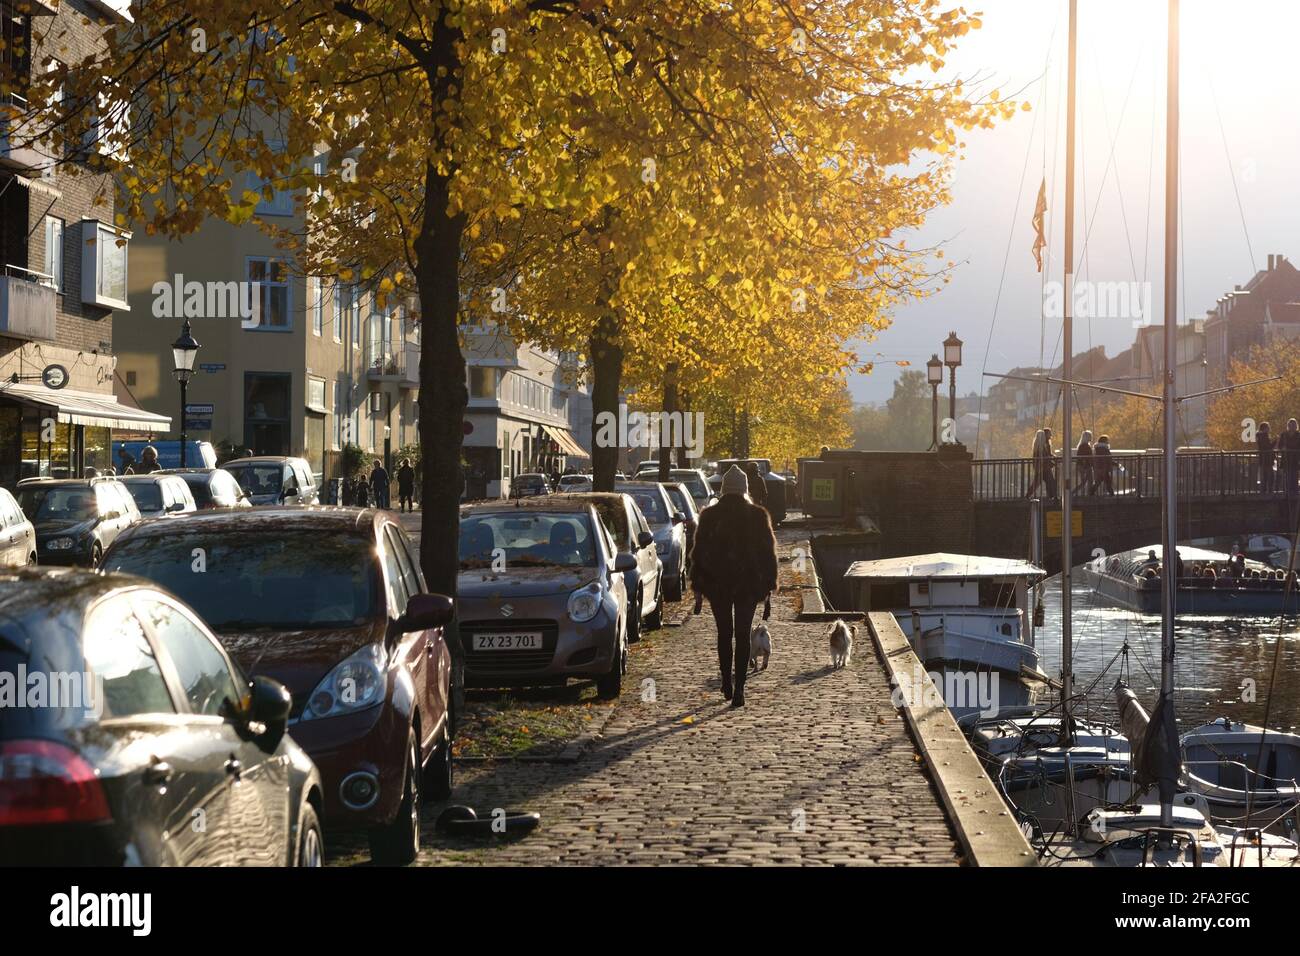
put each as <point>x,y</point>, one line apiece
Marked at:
<point>1199,474</point>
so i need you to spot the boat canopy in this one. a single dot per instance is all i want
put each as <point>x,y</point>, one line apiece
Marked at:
<point>943,565</point>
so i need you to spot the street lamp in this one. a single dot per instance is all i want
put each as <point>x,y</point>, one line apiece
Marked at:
<point>934,375</point>
<point>952,359</point>
<point>184,351</point>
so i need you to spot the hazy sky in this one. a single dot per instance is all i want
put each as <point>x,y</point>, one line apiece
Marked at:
<point>1241,56</point>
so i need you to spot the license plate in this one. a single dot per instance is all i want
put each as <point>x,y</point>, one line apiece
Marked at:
<point>509,641</point>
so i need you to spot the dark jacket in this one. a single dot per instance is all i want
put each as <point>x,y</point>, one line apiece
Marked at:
<point>405,480</point>
<point>1265,445</point>
<point>734,556</point>
<point>379,478</point>
<point>757,486</point>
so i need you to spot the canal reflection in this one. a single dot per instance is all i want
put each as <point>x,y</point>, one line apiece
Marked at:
<point>1217,659</point>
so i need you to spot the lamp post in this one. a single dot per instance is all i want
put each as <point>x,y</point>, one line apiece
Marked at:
<point>934,375</point>
<point>184,351</point>
<point>952,359</point>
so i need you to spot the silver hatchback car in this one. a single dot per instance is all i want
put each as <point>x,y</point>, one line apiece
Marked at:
<point>541,595</point>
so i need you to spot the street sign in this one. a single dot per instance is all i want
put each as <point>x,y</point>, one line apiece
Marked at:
<point>54,376</point>
<point>200,408</point>
<point>212,366</point>
<point>1055,519</point>
<point>198,424</point>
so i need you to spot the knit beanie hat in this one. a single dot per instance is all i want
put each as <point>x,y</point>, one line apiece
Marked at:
<point>735,482</point>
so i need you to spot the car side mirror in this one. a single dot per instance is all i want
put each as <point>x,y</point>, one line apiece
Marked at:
<point>624,562</point>
<point>269,706</point>
<point>645,539</point>
<point>678,517</point>
<point>425,611</point>
<point>176,506</point>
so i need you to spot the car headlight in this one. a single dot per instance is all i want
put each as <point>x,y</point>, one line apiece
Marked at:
<point>61,544</point>
<point>584,604</point>
<point>355,683</point>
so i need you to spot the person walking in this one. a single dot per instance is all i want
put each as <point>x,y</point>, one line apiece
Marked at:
<point>1101,466</point>
<point>406,485</point>
<point>755,483</point>
<point>379,482</point>
<point>1083,468</point>
<point>148,461</point>
<point>733,564</point>
<point>1264,458</point>
<point>1040,456</point>
<point>1289,444</point>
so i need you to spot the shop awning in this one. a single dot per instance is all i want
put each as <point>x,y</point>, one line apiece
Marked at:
<point>565,440</point>
<point>87,408</point>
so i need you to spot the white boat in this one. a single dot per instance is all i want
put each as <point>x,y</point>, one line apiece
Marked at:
<point>961,611</point>
<point>1247,775</point>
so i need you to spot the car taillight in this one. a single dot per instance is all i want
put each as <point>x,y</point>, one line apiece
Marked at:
<point>46,782</point>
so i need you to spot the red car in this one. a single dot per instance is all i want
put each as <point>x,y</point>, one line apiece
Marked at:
<point>330,602</point>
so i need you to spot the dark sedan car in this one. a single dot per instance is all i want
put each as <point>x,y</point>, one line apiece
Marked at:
<point>684,503</point>
<point>76,519</point>
<point>666,524</point>
<point>331,602</point>
<point>541,593</point>
<point>149,746</point>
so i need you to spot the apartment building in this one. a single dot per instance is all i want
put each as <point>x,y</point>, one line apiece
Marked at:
<point>1240,319</point>
<point>65,267</point>
<point>528,412</point>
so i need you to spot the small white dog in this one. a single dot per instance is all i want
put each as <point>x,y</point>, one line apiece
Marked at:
<point>760,645</point>
<point>841,640</point>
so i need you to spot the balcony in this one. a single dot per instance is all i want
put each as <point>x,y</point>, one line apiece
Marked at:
<point>389,362</point>
<point>17,146</point>
<point>27,305</point>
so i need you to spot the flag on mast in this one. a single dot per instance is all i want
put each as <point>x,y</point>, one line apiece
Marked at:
<point>1040,210</point>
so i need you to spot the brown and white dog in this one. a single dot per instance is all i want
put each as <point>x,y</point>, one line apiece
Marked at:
<point>841,641</point>
<point>760,645</point>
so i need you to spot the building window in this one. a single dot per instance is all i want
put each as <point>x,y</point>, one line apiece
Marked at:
<point>482,382</point>
<point>103,265</point>
<point>338,311</point>
<point>316,393</point>
<point>273,293</point>
<point>338,415</point>
<point>54,250</point>
<point>280,201</point>
<point>316,302</point>
<point>354,315</point>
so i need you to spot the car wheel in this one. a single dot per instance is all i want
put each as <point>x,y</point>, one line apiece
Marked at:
<point>397,843</point>
<point>31,560</point>
<point>656,620</point>
<point>311,843</point>
<point>96,555</point>
<point>675,590</point>
<point>610,686</point>
<point>634,619</point>
<point>438,773</point>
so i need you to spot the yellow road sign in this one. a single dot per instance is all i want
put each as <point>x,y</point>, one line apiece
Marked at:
<point>1055,519</point>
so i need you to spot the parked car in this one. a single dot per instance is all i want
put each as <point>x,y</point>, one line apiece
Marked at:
<point>696,482</point>
<point>212,488</point>
<point>683,502</point>
<point>160,752</point>
<point>275,480</point>
<point>332,603</point>
<point>542,595</point>
<point>574,483</point>
<point>160,494</point>
<point>198,454</point>
<point>632,535</point>
<point>17,534</point>
<point>76,519</point>
<point>529,485</point>
<point>666,523</point>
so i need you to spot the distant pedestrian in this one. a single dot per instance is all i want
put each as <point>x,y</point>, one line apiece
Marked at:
<point>361,492</point>
<point>379,483</point>
<point>1040,463</point>
<point>733,564</point>
<point>757,488</point>
<point>1264,458</point>
<point>125,460</point>
<point>1289,444</point>
<point>148,461</point>
<point>1102,465</point>
<point>1083,468</point>
<point>406,485</point>
<point>346,492</point>
<point>91,473</point>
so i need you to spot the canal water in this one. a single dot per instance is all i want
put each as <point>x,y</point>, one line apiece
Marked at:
<point>1221,663</point>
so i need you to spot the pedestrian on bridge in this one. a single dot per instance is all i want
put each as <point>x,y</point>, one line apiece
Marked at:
<point>1264,458</point>
<point>1041,464</point>
<point>1289,445</point>
<point>1101,466</point>
<point>733,564</point>
<point>1083,455</point>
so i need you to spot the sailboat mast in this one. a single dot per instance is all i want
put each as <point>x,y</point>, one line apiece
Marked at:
<point>1169,579</point>
<point>1067,403</point>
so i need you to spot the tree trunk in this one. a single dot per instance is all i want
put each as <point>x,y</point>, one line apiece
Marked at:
<point>743,441</point>
<point>606,382</point>
<point>666,444</point>
<point>685,405</point>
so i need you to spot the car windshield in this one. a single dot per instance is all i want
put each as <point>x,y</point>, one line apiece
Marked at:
<point>199,489</point>
<point>679,499</point>
<point>258,479</point>
<point>696,485</point>
<point>528,539</point>
<point>289,579</point>
<point>566,480</point>
<point>58,503</point>
<point>530,482</point>
<point>147,494</point>
<point>651,504</point>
